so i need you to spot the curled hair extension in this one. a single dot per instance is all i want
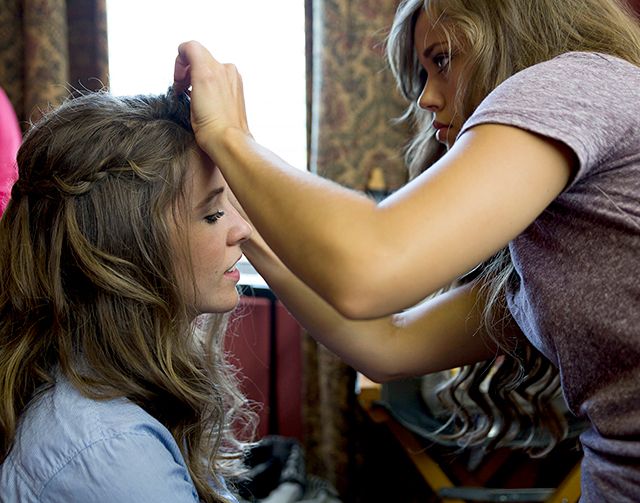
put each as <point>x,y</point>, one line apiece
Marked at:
<point>449,395</point>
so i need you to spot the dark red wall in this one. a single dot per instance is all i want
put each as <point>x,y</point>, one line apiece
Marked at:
<point>249,343</point>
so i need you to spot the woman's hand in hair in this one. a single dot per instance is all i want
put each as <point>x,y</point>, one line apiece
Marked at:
<point>217,97</point>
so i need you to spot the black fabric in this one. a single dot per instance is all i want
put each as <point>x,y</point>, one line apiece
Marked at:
<point>273,461</point>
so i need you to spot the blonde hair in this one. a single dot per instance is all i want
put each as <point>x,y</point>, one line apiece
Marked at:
<point>500,38</point>
<point>87,282</point>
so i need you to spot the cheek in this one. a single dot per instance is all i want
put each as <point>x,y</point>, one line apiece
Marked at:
<point>207,252</point>
<point>456,82</point>
<point>452,89</point>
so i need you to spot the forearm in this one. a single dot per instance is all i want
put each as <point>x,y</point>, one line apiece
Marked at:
<point>355,342</point>
<point>440,334</point>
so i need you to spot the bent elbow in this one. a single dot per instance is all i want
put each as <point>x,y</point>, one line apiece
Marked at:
<point>381,376</point>
<point>353,307</point>
<point>384,368</point>
<point>360,288</point>
<point>357,299</point>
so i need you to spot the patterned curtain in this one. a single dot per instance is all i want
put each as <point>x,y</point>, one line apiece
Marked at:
<point>48,48</point>
<point>352,140</point>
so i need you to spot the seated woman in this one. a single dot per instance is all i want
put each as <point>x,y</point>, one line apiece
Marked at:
<point>117,255</point>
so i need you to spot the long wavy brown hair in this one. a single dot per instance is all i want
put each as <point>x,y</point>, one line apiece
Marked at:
<point>494,402</point>
<point>88,285</point>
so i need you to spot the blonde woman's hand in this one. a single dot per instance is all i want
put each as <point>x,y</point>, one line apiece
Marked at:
<point>217,97</point>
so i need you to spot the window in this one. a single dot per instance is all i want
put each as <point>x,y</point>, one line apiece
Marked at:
<point>265,40</point>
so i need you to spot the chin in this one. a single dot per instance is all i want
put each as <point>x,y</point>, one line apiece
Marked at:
<point>220,305</point>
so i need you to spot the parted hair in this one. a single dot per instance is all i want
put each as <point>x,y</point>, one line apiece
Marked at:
<point>492,402</point>
<point>88,286</point>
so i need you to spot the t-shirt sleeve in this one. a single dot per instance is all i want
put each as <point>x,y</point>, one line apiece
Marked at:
<point>128,468</point>
<point>586,101</point>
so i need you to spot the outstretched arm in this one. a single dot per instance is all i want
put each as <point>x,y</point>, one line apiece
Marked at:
<point>368,260</point>
<point>441,333</point>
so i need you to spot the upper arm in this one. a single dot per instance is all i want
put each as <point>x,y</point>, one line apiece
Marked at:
<point>125,468</point>
<point>486,190</point>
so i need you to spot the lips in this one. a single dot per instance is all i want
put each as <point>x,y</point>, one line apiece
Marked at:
<point>233,267</point>
<point>233,273</point>
<point>442,131</point>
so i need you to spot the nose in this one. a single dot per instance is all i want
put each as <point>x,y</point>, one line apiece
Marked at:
<point>431,98</point>
<point>240,229</point>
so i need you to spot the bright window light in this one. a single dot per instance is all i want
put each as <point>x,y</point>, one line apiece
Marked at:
<point>265,40</point>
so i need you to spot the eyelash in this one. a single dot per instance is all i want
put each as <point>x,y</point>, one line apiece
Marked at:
<point>438,61</point>
<point>442,61</point>
<point>214,217</point>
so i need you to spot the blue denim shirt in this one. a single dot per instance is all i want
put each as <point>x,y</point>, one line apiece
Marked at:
<point>72,449</point>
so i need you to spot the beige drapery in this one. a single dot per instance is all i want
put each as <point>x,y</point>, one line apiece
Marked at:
<point>48,48</point>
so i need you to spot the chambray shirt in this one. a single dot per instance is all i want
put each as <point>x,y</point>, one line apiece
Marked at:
<point>72,449</point>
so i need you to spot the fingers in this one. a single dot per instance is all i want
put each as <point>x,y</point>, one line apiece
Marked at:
<point>193,54</point>
<point>215,89</point>
<point>181,74</point>
<point>181,77</point>
<point>189,53</point>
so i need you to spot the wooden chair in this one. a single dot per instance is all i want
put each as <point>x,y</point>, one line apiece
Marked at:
<point>456,475</point>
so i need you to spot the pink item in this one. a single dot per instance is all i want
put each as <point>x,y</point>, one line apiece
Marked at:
<point>10,140</point>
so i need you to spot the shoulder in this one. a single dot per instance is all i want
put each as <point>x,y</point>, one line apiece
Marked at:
<point>582,59</point>
<point>587,101</point>
<point>570,62</point>
<point>571,79</point>
<point>66,439</point>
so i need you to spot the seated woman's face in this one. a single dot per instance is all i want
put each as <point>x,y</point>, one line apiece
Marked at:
<point>214,230</point>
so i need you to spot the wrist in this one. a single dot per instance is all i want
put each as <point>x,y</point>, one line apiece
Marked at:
<point>256,249</point>
<point>227,143</point>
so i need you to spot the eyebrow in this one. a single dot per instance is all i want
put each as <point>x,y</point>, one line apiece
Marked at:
<point>209,197</point>
<point>427,52</point>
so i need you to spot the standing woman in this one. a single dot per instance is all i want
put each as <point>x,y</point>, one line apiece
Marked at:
<point>537,103</point>
<point>117,256</point>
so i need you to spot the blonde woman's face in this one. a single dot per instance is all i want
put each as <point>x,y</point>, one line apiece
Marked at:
<point>214,231</point>
<point>441,66</point>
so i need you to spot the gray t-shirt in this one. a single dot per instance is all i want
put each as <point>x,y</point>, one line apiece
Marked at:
<point>578,298</point>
